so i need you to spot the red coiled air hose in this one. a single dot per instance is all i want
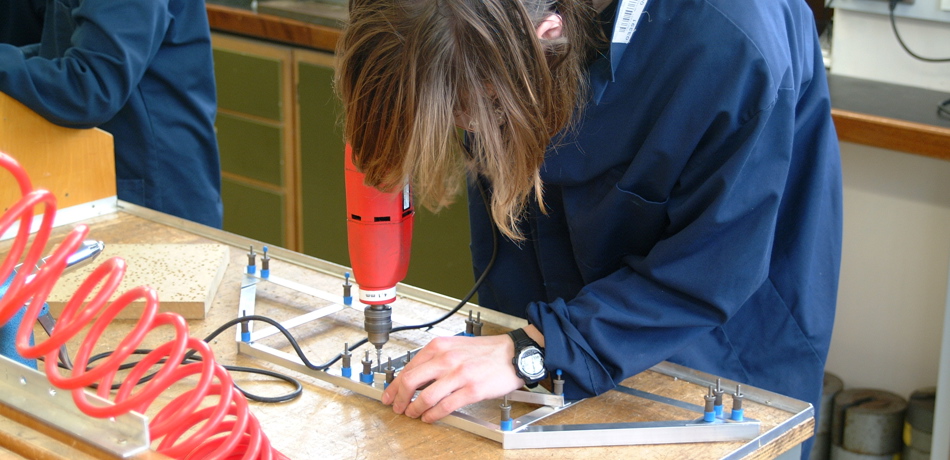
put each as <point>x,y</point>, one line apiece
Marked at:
<point>223,431</point>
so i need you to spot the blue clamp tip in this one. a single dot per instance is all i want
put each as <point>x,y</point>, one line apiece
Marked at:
<point>251,269</point>
<point>709,417</point>
<point>245,336</point>
<point>718,410</point>
<point>738,415</point>
<point>366,378</point>
<point>506,425</point>
<point>347,372</point>
<point>265,273</point>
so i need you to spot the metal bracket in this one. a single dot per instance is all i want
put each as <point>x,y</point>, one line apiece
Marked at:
<point>29,392</point>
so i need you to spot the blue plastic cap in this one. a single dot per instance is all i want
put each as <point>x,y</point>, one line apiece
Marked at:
<point>738,415</point>
<point>506,425</point>
<point>348,300</point>
<point>245,336</point>
<point>366,378</point>
<point>251,269</point>
<point>265,273</point>
<point>709,417</point>
<point>718,410</point>
<point>346,372</point>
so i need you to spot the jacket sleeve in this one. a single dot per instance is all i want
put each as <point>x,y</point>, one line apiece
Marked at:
<point>85,82</point>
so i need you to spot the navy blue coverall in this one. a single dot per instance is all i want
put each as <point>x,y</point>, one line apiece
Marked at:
<point>695,212</point>
<point>142,71</point>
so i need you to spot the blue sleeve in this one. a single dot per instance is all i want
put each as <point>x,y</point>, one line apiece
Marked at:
<point>30,50</point>
<point>88,80</point>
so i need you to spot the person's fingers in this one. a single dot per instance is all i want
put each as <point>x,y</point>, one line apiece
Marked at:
<point>401,391</point>
<point>451,403</point>
<point>432,395</point>
<point>390,394</point>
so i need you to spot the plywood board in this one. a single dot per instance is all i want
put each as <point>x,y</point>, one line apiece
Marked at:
<point>186,276</point>
<point>76,165</point>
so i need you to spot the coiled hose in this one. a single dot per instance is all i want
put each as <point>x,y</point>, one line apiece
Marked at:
<point>226,430</point>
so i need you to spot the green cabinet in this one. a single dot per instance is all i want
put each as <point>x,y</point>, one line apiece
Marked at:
<point>255,137</point>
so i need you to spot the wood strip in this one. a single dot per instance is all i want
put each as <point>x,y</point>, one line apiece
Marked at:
<point>888,133</point>
<point>34,439</point>
<point>269,27</point>
<point>792,438</point>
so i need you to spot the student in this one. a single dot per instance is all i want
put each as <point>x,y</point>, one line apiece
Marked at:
<point>666,180</point>
<point>21,21</point>
<point>142,71</point>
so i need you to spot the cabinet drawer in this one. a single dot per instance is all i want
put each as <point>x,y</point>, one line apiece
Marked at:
<point>253,212</point>
<point>249,84</point>
<point>250,148</point>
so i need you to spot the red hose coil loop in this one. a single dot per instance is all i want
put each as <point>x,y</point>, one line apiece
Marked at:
<point>223,431</point>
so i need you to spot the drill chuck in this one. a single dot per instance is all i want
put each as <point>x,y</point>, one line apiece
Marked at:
<point>378,322</point>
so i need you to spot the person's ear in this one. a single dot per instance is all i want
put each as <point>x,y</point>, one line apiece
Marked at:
<point>550,27</point>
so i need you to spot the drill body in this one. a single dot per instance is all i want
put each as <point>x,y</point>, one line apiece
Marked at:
<point>379,234</point>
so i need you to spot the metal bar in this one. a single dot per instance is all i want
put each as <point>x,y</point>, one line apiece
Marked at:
<point>526,420</point>
<point>337,299</point>
<point>660,399</point>
<point>628,434</point>
<point>530,397</point>
<point>246,304</point>
<point>297,321</point>
<point>29,392</point>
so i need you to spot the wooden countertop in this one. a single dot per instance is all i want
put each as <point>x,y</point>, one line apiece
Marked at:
<point>881,115</point>
<point>274,28</point>
<point>328,421</point>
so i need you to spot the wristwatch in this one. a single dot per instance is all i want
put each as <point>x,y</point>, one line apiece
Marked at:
<point>529,358</point>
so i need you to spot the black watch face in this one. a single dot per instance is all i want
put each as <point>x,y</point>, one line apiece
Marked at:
<point>531,363</point>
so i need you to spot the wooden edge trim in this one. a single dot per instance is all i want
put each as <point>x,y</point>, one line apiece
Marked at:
<point>269,27</point>
<point>59,436</point>
<point>876,131</point>
<point>797,435</point>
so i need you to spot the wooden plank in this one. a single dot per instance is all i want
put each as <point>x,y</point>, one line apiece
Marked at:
<point>269,27</point>
<point>77,165</point>
<point>186,276</point>
<point>888,133</point>
<point>29,438</point>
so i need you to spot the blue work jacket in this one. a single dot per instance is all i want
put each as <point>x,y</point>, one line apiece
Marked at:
<point>694,214</point>
<point>142,71</point>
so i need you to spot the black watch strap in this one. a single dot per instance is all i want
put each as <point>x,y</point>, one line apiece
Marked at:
<point>522,339</point>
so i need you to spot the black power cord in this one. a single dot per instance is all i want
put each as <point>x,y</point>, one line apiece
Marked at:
<point>891,7</point>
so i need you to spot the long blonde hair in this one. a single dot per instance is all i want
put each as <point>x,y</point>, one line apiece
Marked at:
<point>409,69</point>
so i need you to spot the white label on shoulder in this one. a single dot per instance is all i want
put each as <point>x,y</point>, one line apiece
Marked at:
<point>628,15</point>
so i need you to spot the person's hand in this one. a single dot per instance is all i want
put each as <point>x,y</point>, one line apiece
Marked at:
<point>462,371</point>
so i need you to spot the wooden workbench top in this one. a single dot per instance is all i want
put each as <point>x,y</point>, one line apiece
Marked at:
<point>330,422</point>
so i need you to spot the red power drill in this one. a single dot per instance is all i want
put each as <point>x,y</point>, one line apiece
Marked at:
<point>379,233</point>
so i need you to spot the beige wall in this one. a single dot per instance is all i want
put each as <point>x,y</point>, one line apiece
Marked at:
<point>894,269</point>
